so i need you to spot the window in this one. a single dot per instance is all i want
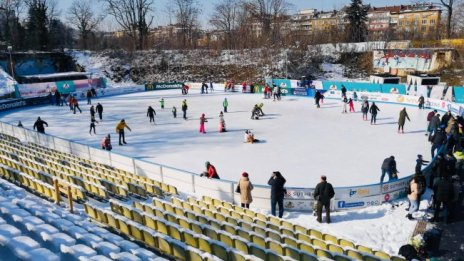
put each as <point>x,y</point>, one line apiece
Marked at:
<point>424,21</point>
<point>423,28</point>
<point>432,21</point>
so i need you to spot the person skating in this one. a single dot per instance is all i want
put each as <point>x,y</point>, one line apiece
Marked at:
<point>225,104</point>
<point>343,91</point>
<point>210,172</point>
<point>446,118</point>
<point>244,187</point>
<point>20,124</point>
<point>76,105</point>
<point>351,105</point>
<point>275,91</point>
<point>355,96</point>
<point>92,124</point>
<point>365,109</point>
<point>345,103</point>
<point>92,111</point>
<point>100,111</point>
<point>58,98</point>
<point>93,91</point>
<point>402,120</point>
<point>323,193</point>
<point>106,143</point>
<point>222,123</point>
<point>249,137</point>
<point>211,88</point>
<point>317,98</point>
<point>174,112</point>
<point>184,108</point>
<point>151,114</point>
<point>202,123</point>
<point>162,103</point>
<point>419,163</point>
<point>89,97</point>
<point>277,183</point>
<point>40,125</point>
<point>374,110</point>
<point>430,116</point>
<point>388,167</point>
<point>120,130</point>
<point>421,102</point>
<point>70,102</point>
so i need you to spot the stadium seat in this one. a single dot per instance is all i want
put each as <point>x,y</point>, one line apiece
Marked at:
<point>307,257</point>
<point>259,230</point>
<point>324,253</point>
<point>258,240</point>
<point>382,255</point>
<point>368,257</point>
<point>164,244</point>
<point>136,216</point>
<point>194,255</point>
<point>204,245</point>
<point>236,256</point>
<point>274,236</point>
<point>136,232</point>
<point>210,232</point>
<point>190,239</point>
<point>149,239</point>
<point>354,254</point>
<point>364,249</point>
<point>315,234</point>
<point>292,252</point>
<point>306,247</point>
<point>335,248</point>
<point>245,235</point>
<point>219,250</point>
<point>319,243</point>
<point>338,257</point>
<point>290,241</point>
<point>226,239</point>
<point>330,239</point>
<point>179,250</point>
<point>150,222</point>
<point>241,245</point>
<point>258,251</point>
<point>161,227</point>
<point>304,238</point>
<point>271,256</point>
<point>287,232</point>
<point>276,247</point>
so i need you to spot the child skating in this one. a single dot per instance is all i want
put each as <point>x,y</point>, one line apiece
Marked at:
<point>351,104</point>
<point>162,103</point>
<point>202,123</point>
<point>222,123</point>
<point>92,124</point>
<point>174,112</point>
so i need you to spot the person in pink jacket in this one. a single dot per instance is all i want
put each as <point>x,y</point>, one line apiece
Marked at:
<point>202,123</point>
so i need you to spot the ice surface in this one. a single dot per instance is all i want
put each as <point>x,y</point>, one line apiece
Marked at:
<point>297,139</point>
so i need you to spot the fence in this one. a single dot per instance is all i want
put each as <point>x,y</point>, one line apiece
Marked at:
<point>300,199</point>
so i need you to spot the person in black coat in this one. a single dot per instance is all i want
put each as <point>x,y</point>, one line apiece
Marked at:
<point>92,111</point>
<point>39,125</point>
<point>443,190</point>
<point>374,110</point>
<point>89,97</point>
<point>388,167</point>
<point>446,118</point>
<point>438,140</point>
<point>58,98</point>
<point>343,91</point>
<point>151,114</point>
<point>322,194</point>
<point>100,111</point>
<point>278,191</point>
<point>318,97</point>
<point>419,163</point>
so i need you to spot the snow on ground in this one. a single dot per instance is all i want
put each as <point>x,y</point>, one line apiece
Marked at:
<point>297,139</point>
<point>6,83</point>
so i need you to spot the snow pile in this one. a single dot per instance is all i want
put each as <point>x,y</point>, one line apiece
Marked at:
<point>6,83</point>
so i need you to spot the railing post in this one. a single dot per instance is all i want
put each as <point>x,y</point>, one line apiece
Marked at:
<point>57,191</point>
<point>70,200</point>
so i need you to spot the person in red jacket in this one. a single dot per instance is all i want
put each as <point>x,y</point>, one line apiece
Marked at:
<point>351,104</point>
<point>202,123</point>
<point>210,171</point>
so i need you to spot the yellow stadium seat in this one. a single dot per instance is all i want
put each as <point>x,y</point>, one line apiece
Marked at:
<point>229,229</point>
<point>190,239</point>
<point>308,257</point>
<point>196,228</point>
<point>246,226</point>
<point>258,240</point>
<point>292,252</point>
<point>171,218</point>
<point>194,255</point>
<point>136,232</point>
<point>149,222</point>
<point>364,249</point>
<point>354,254</point>
<point>219,217</point>
<point>164,245</point>
<point>276,247</point>
<point>175,233</point>
<point>259,230</point>
<point>136,216</point>
<point>258,251</point>
<point>306,247</point>
<point>123,227</point>
<point>271,256</point>
<point>330,238</point>
<point>346,243</point>
<point>290,241</point>
<point>232,221</point>
<point>339,257</point>
<point>112,222</point>
<point>210,232</point>
<point>241,245</point>
<point>236,256</point>
<point>382,255</point>
<point>226,239</point>
<point>149,239</point>
<point>215,224</point>
<point>245,235</point>
<point>335,249</point>
<point>274,236</point>
<point>304,238</point>
<point>319,243</point>
<point>315,233</point>
<point>260,223</point>
<point>287,232</point>
<point>162,227</point>
<point>219,251</point>
<point>324,253</point>
<point>204,245</point>
<point>179,250</point>
<point>227,205</point>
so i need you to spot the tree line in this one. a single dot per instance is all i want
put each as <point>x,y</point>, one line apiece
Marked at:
<point>39,25</point>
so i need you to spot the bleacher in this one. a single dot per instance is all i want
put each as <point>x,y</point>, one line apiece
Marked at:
<point>153,215</point>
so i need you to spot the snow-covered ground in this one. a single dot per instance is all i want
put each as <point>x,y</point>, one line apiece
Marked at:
<point>297,139</point>
<point>6,83</point>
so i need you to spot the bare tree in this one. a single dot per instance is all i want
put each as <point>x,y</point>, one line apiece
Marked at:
<point>449,6</point>
<point>84,18</point>
<point>458,24</point>
<point>134,16</point>
<point>225,19</point>
<point>187,12</point>
<point>268,13</point>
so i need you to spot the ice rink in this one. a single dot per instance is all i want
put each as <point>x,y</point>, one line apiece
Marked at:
<point>299,140</point>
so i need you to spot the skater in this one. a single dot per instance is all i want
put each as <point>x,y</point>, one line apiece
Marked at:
<point>58,98</point>
<point>210,172</point>
<point>355,96</point>
<point>365,109</point>
<point>92,111</point>
<point>222,123</point>
<point>419,163</point>
<point>250,137</point>
<point>275,91</point>
<point>402,120</point>
<point>374,110</point>
<point>446,118</point>
<point>225,104</point>
<point>184,89</point>
<point>76,105</point>
<point>421,102</point>
<point>202,123</point>
<point>151,114</point>
<point>267,92</point>
<point>92,124</point>
<point>343,91</point>
<point>345,102</point>
<point>120,130</point>
<point>244,187</point>
<point>317,98</point>
<point>20,124</point>
<point>106,143</point>
<point>322,194</point>
<point>388,167</point>
<point>70,102</point>
<point>255,112</point>
<point>100,111</point>
<point>429,119</point>
<point>93,91</point>
<point>184,108</point>
<point>174,112</point>
<point>63,100</point>
<point>211,89</point>
<point>162,103</point>
<point>351,104</point>
<point>204,88</point>
<point>89,97</point>
<point>39,125</point>
<point>413,196</point>
<point>277,182</point>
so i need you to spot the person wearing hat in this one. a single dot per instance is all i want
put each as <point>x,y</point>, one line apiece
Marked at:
<point>419,163</point>
<point>244,187</point>
<point>120,130</point>
<point>434,123</point>
<point>210,172</point>
<point>438,140</point>
<point>429,119</point>
<point>106,143</point>
<point>202,123</point>
<point>322,194</point>
<point>40,125</point>
<point>402,120</point>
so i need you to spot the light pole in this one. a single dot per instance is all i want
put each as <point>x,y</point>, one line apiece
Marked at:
<point>10,48</point>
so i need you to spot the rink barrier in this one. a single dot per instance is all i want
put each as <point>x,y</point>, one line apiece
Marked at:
<point>298,199</point>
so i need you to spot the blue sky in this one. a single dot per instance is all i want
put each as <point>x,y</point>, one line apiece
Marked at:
<point>162,18</point>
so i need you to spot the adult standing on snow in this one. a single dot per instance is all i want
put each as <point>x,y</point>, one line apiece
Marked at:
<point>39,125</point>
<point>388,167</point>
<point>413,197</point>
<point>120,130</point>
<point>317,98</point>
<point>92,111</point>
<point>322,194</point>
<point>151,114</point>
<point>202,123</point>
<point>438,140</point>
<point>174,111</point>
<point>76,105</point>
<point>184,108</point>
<point>365,109</point>
<point>374,110</point>
<point>89,97</point>
<point>277,182</point>
<point>225,104</point>
<point>244,187</point>
<point>402,120</point>
<point>100,111</point>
